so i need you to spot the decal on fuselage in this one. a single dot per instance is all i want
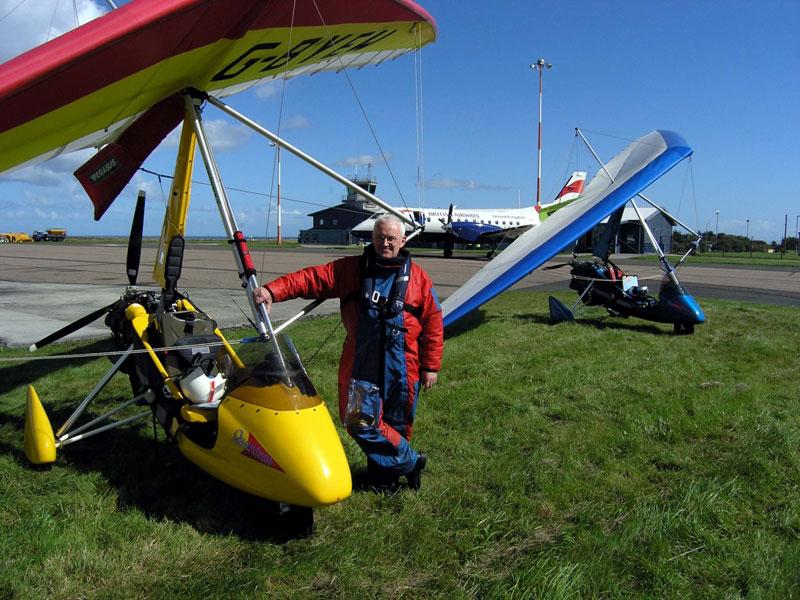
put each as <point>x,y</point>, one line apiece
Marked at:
<point>252,448</point>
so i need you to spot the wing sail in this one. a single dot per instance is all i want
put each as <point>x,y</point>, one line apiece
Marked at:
<point>632,170</point>
<point>84,88</point>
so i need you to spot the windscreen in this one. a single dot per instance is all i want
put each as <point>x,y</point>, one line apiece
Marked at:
<point>263,369</point>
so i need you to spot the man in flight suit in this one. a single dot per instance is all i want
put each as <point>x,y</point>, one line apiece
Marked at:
<point>394,343</point>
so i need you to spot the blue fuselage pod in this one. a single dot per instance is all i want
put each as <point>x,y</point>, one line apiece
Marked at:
<point>676,305</point>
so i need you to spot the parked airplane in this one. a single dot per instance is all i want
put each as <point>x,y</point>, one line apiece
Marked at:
<point>481,225</point>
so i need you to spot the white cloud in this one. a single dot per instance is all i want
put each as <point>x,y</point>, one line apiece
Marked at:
<point>268,89</point>
<point>51,173</point>
<point>295,122</point>
<point>468,185</point>
<point>24,25</point>
<point>362,160</point>
<point>223,135</point>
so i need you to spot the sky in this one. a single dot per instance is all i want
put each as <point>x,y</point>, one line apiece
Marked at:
<point>722,74</point>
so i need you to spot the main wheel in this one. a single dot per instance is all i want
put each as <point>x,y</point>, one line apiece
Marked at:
<point>683,328</point>
<point>298,521</point>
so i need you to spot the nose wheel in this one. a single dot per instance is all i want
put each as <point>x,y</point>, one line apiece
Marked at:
<point>297,521</point>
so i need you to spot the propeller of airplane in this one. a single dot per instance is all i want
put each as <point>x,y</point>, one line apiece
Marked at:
<point>132,269</point>
<point>448,224</point>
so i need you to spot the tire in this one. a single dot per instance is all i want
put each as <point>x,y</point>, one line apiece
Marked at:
<point>298,521</point>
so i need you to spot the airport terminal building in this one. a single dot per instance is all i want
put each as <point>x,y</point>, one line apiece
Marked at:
<point>332,225</point>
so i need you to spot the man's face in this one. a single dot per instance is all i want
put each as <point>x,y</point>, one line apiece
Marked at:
<point>388,238</point>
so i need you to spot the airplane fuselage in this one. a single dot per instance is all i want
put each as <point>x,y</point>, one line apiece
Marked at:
<point>435,219</point>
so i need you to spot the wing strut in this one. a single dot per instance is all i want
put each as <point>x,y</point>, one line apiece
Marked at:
<point>244,262</point>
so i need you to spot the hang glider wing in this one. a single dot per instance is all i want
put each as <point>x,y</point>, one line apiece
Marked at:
<point>85,88</point>
<point>632,170</point>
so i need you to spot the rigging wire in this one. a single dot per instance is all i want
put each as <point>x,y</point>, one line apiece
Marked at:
<point>276,165</point>
<point>693,191</point>
<point>52,20</point>
<point>565,169</point>
<point>244,191</point>
<point>20,3</point>
<point>361,106</point>
<point>418,106</point>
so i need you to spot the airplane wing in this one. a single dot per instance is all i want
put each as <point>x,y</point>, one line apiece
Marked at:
<point>84,88</point>
<point>632,170</point>
<point>473,232</point>
<point>510,233</point>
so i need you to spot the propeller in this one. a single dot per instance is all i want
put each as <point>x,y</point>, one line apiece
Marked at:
<point>566,264</point>
<point>132,267</point>
<point>135,240</point>
<point>448,225</point>
<point>71,328</point>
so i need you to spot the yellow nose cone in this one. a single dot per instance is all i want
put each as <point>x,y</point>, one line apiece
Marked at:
<point>291,455</point>
<point>40,443</point>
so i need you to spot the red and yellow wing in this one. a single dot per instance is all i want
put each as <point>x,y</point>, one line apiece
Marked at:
<point>86,87</point>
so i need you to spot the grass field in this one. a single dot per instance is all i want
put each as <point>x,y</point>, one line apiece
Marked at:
<point>604,458</point>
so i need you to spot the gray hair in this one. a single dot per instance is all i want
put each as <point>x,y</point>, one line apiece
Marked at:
<point>388,219</point>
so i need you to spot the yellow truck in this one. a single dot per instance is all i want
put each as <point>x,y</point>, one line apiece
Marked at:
<point>51,235</point>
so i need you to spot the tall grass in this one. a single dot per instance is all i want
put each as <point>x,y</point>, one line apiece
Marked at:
<point>604,458</point>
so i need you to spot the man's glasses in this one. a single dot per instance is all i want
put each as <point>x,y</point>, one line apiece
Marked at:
<point>385,238</point>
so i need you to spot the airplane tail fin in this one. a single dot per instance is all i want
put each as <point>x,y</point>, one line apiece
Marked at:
<point>570,192</point>
<point>573,188</point>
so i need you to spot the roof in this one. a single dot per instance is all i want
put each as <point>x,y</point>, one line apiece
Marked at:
<point>648,212</point>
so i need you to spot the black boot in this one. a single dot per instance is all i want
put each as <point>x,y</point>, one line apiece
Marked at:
<point>381,480</point>
<point>414,477</point>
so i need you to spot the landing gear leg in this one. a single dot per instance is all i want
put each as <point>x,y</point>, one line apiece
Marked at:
<point>683,328</point>
<point>448,250</point>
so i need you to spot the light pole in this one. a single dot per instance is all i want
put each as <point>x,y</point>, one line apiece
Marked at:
<point>797,231</point>
<point>540,65</point>
<point>785,229</point>
<point>716,231</point>
<point>747,235</point>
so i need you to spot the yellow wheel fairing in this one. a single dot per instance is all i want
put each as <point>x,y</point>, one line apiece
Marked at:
<point>292,456</point>
<point>40,443</point>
